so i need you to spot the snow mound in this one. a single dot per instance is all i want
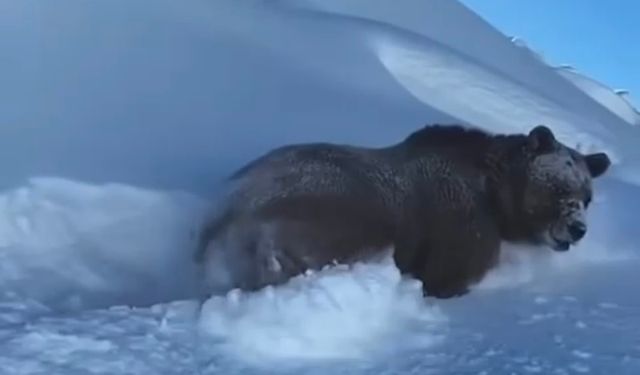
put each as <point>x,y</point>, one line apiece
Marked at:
<point>72,245</point>
<point>338,313</point>
<point>611,99</point>
<point>616,101</point>
<point>454,83</point>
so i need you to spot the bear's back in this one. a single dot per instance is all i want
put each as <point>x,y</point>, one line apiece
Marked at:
<point>313,169</point>
<point>390,175</point>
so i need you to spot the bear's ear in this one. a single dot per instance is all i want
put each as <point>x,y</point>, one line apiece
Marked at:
<point>541,139</point>
<point>597,164</point>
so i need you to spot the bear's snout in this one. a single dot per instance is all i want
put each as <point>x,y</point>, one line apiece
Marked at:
<point>566,233</point>
<point>577,230</point>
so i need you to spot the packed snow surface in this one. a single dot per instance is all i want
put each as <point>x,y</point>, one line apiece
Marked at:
<point>120,119</point>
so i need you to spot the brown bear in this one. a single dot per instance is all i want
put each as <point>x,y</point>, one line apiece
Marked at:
<point>443,200</point>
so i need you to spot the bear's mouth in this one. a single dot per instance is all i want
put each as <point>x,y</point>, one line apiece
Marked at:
<point>559,238</point>
<point>557,244</point>
<point>561,245</point>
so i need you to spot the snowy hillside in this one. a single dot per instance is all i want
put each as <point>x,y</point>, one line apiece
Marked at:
<point>614,100</point>
<point>119,120</point>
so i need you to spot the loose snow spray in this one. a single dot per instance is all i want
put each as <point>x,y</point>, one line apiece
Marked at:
<point>340,312</point>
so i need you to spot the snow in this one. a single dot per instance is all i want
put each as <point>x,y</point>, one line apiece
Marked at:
<point>614,100</point>
<point>367,306</point>
<point>76,246</point>
<point>617,101</point>
<point>454,84</point>
<point>119,121</point>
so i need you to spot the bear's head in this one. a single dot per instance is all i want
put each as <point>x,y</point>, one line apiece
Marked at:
<point>553,189</point>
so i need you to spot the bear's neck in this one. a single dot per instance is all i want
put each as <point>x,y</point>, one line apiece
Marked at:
<point>488,152</point>
<point>504,166</point>
<point>498,157</point>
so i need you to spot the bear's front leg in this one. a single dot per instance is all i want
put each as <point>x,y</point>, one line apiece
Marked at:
<point>445,291</point>
<point>442,280</point>
<point>448,263</point>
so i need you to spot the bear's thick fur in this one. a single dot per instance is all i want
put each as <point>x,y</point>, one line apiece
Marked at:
<point>443,199</point>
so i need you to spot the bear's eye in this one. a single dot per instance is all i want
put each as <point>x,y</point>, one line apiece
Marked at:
<point>572,204</point>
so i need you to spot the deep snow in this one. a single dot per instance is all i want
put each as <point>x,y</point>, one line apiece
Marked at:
<point>120,119</point>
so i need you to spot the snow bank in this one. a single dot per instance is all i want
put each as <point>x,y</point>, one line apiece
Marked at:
<point>338,313</point>
<point>609,98</point>
<point>73,245</point>
<point>613,100</point>
<point>176,97</point>
<point>454,83</point>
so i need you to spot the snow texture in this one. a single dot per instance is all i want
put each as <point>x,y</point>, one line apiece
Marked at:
<point>120,119</point>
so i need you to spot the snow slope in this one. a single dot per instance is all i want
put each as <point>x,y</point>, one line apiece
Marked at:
<point>120,119</point>
<point>615,101</point>
<point>618,102</point>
